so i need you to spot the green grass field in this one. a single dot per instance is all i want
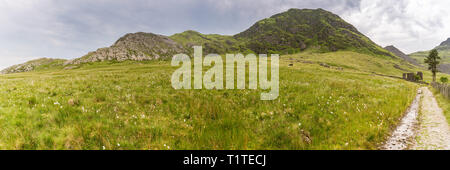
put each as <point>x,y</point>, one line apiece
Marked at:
<point>132,105</point>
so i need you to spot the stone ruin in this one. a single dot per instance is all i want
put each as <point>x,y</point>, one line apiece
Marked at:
<point>413,77</point>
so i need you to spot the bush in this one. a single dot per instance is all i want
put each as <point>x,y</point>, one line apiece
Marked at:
<point>444,79</point>
<point>417,77</point>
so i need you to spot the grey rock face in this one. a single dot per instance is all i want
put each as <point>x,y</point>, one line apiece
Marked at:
<point>136,46</point>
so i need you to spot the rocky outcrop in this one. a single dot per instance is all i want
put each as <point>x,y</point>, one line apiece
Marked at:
<point>136,46</point>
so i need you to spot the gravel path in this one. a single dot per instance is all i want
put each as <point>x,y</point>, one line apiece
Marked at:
<point>434,132</point>
<point>428,130</point>
<point>403,136</point>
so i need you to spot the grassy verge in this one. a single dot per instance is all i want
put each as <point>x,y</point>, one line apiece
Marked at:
<point>132,105</point>
<point>443,103</point>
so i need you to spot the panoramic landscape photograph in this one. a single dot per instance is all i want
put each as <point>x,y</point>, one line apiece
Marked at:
<point>196,75</point>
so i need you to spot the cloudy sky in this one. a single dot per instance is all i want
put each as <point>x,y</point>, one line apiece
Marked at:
<point>70,28</point>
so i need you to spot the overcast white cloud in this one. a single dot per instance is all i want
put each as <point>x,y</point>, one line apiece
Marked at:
<point>411,25</point>
<point>71,28</point>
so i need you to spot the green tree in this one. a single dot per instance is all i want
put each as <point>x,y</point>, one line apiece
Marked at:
<point>444,79</point>
<point>433,61</point>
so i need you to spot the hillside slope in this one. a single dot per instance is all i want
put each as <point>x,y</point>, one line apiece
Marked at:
<point>211,43</point>
<point>444,46</point>
<point>444,53</point>
<point>38,64</point>
<point>402,55</point>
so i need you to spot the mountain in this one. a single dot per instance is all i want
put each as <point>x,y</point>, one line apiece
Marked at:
<point>400,54</point>
<point>285,33</point>
<point>288,32</point>
<point>134,46</point>
<point>38,64</point>
<point>444,53</point>
<point>300,29</point>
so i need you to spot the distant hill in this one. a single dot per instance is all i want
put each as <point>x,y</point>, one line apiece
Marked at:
<point>285,33</point>
<point>400,54</point>
<point>38,64</point>
<point>444,53</point>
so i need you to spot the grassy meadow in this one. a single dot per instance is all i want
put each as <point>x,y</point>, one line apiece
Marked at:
<point>132,105</point>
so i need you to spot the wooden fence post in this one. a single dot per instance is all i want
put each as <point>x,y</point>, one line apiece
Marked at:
<point>442,88</point>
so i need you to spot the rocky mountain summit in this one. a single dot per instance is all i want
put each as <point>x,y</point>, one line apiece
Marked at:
<point>400,54</point>
<point>134,46</point>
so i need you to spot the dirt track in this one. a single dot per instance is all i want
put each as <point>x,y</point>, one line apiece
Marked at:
<point>434,132</point>
<point>424,127</point>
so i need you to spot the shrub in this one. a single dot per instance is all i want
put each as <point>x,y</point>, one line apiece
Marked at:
<point>444,79</point>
